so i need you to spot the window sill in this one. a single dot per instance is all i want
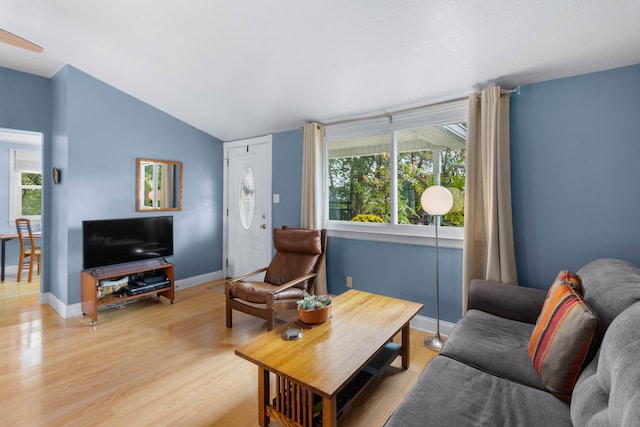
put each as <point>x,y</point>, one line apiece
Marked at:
<point>448,237</point>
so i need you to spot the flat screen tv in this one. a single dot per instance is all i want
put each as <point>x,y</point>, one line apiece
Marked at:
<point>118,241</point>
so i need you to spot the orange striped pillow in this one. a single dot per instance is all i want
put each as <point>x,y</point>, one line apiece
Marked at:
<point>569,278</point>
<point>561,338</point>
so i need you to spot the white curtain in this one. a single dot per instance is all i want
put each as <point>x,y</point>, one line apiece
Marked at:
<point>312,214</point>
<point>488,227</point>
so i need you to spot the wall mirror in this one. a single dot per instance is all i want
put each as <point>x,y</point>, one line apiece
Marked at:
<point>158,185</point>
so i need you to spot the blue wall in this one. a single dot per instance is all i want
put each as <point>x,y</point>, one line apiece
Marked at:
<point>286,148</point>
<point>575,148</point>
<point>25,101</point>
<point>398,270</point>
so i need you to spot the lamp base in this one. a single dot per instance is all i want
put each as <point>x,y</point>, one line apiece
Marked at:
<point>435,342</point>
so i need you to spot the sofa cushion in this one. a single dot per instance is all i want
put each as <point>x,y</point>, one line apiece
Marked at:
<point>450,393</point>
<point>508,301</point>
<point>610,286</point>
<point>561,338</point>
<point>608,390</point>
<point>484,340</point>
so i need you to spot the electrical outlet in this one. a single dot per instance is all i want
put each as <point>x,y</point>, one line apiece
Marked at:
<point>349,282</point>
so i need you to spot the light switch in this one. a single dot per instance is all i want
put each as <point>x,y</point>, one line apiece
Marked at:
<point>276,198</point>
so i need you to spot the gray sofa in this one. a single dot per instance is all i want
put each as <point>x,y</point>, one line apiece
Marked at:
<point>484,377</point>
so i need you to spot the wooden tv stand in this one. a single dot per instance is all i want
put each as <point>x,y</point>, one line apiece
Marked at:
<point>90,279</point>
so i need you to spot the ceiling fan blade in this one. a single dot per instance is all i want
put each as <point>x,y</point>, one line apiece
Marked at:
<point>12,39</point>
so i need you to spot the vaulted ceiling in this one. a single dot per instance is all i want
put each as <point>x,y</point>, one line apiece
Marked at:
<point>243,68</point>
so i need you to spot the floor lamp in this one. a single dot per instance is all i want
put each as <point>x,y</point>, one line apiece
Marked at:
<point>436,201</point>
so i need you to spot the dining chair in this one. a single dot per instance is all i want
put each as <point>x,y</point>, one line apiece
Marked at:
<point>29,252</point>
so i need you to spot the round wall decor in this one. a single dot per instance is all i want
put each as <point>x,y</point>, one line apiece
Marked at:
<point>56,175</point>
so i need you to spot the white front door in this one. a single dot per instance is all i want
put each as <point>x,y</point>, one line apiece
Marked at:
<point>248,190</point>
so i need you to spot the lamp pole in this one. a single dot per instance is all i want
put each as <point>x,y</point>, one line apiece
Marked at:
<point>436,342</point>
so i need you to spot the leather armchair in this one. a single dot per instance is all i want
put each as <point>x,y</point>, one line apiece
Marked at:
<point>292,271</point>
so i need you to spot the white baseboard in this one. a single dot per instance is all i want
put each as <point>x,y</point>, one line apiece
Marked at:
<point>65,311</point>
<point>11,270</point>
<point>429,324</point>
<point>198,280</point>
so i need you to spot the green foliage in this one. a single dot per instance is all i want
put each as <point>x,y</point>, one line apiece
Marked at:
<point>31,202</point>
<point>31,197</point>
<point>313,302</point>
<point>374,191</point>
<point>361,185</point>
<point>453,219</point>
<point>367,218</point>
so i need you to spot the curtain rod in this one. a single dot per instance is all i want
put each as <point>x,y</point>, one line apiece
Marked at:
<point>377,116</point>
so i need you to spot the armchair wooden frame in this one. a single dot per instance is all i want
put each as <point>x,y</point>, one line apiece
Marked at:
<point>268,310</point>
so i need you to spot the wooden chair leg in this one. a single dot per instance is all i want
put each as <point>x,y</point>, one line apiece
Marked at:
<point>20,264</point>
<point>229,315</point>
<point>30,269</point>
<point>271,319</point>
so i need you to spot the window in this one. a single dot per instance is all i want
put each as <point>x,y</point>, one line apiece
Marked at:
<point>25,184</point>
<point>378,168</point>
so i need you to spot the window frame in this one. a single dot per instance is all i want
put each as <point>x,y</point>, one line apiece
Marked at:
<point>436,114</point>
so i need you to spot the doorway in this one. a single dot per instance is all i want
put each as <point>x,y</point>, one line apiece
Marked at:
<point>23,188</point>
<point>247,199</point>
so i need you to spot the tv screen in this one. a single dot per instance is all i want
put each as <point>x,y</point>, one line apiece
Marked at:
<point>117,241</point>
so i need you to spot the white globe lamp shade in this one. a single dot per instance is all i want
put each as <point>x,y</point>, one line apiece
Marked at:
<point>436,200</point>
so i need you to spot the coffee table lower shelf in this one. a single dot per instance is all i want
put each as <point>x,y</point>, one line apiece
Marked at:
<point>297,406</point>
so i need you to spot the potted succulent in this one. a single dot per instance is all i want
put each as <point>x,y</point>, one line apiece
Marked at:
<point>314,308</point>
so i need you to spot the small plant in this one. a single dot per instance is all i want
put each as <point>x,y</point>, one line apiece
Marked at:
<point>313,302</point>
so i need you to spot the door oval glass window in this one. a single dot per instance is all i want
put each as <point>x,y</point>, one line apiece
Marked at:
<point>247,198</point>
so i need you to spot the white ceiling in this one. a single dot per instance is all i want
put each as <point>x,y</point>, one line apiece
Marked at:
<point>243,68</point>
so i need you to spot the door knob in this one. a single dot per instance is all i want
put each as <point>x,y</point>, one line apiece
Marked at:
<point>263,226</point>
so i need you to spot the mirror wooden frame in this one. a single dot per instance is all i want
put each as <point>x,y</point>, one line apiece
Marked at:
<point>155,196</point>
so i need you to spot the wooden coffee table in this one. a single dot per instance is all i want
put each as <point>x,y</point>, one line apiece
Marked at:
<point>328,357</point>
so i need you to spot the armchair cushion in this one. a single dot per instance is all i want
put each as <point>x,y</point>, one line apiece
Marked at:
<point>297,254</point>
<point>257,292</point>
<point>298,240</point>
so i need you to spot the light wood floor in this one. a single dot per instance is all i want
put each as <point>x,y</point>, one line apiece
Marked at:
<point>149,364</point>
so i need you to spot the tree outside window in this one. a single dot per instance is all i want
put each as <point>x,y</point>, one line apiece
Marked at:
<point>361,174</point>
<point>31,194</point>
